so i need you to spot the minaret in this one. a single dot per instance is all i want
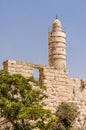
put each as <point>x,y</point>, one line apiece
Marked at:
<point>57,46</point>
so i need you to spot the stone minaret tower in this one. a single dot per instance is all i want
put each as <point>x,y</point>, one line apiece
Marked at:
<point>57,46</point>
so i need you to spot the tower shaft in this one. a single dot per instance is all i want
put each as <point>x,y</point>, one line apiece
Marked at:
<point>57,46</point>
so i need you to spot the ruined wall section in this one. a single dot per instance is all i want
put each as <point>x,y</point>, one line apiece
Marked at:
<point>59,86</point>
<point>23,68</point>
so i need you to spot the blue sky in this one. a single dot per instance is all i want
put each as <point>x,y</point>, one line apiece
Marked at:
<point>24,26</point>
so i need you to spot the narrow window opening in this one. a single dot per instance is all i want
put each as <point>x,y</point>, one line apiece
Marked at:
<point>36,74</point>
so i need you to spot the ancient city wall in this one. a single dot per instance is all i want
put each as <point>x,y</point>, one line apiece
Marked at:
<point>59,86</point>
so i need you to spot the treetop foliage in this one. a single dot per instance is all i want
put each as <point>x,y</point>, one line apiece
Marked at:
<point>66,113</point>
<point>21,102</point>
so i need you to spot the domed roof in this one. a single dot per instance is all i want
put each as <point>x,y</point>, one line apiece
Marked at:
<point>57,22</point>
<point>57,25</point>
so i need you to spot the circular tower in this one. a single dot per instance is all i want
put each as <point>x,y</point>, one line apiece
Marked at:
<point>57,46</point>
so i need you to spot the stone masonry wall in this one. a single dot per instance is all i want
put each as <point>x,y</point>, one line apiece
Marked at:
<point>59,86</point>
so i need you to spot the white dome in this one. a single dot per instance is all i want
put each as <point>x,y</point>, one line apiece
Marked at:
<point>57,25</point>
<point>57,22</point>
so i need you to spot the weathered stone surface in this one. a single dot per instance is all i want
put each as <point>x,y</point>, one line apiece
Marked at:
<point>60,87</point>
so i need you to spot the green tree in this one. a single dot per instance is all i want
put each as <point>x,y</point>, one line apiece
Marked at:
<point>67,113</point>
<point>21,103</point>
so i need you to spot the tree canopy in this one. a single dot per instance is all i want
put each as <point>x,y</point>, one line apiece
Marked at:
<point>66,113</point>
<point>21,103</point>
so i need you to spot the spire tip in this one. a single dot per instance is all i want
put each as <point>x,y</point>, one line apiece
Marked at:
<point>56,17</point>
